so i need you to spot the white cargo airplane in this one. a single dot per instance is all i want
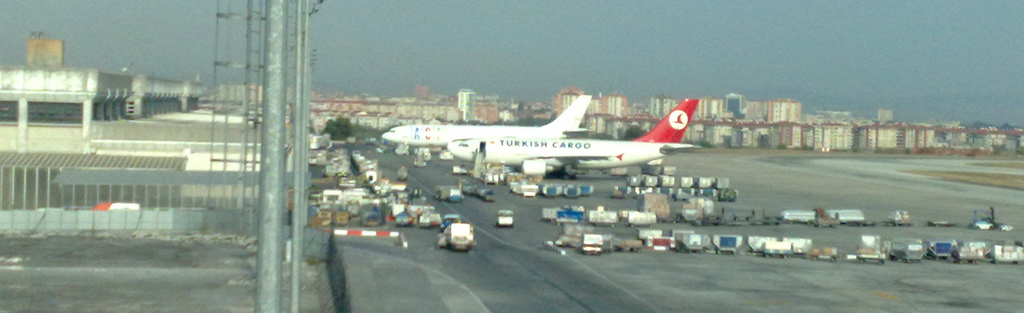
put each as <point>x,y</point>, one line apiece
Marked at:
<point>538,156</point>
<point>440,135</point>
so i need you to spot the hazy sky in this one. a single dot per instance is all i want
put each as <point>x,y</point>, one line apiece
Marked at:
<point>926,60</point>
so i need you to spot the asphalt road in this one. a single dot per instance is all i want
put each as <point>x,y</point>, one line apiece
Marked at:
<point>509,271</point>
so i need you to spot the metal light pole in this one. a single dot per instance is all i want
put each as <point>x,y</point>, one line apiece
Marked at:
<point>272,164</point>
<point>300,151</point>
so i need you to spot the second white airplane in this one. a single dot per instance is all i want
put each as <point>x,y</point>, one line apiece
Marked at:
<point>538,156</point>
<point>440,135</point>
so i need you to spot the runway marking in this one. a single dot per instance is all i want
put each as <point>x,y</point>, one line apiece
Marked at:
<point>884,295</point>
<point>12,268</point>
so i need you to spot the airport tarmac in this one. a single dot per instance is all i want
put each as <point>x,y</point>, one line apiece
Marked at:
<point>510,271</point>
<point>87,274</point>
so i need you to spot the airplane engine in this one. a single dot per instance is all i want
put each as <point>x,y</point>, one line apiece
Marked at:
<point>535,167</point>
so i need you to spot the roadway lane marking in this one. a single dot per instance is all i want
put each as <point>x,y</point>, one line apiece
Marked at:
<point>884,295</point>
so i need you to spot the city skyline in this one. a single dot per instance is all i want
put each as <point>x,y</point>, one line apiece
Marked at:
<point>925,60</point>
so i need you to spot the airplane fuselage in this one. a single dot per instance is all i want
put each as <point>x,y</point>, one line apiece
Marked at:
<point>441,135</point>
<point>580,153</point>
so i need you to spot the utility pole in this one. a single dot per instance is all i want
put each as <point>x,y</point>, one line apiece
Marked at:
<point>272,164</point>
<point>300,149</point>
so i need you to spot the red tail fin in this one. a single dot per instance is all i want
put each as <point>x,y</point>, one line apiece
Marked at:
<point>672,127</point>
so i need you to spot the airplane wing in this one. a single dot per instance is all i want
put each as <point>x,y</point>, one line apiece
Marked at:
<point>677,148</point>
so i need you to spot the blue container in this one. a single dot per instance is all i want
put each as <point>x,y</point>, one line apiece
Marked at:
<point>586,190</point>
<point>943,248</point>
<point>728,242</point>
<point>570,216</point>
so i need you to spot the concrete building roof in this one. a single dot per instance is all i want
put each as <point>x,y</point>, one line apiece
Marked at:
<point>150,177</point>
<point>67,160</point>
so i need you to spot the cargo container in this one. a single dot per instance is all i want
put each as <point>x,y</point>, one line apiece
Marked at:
<point>655,203</point>
<point>661,243</point>
<point>593,244</point>
<point>668,170</point>
<point>649,181</point>
<point>634,180</point>
<point>685,182</point>
<point>722,183</point>
<point>905,250</point>
<point>1006,252</point>
<point>727,244</point>
<point>627,245</point>
<point>971,251</point>
<point>619,171</point>
<point>756,243</point>
<point>801,246</point>
<point>849,217</point>
<point>551,190</point>
<point>727,195</point>
<point>598,218</point>
<point>940,249</point>
<point>586,190</point>
<point>569,216</point>
<point>681,194</point>
<point>636,218</point>
<point>666,181</point>
<point>777,248</point>
<point>824,253</point>
<point>870,249</point>
<point>703,182</point>
<point>572,191</point>
<point>648,233</point>
<point>798,216</point>
<point>711,193</point>
<point>693,243</point>
<point>529,190</point>
<point>549,214</point>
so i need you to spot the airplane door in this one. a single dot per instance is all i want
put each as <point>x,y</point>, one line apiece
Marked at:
<point>483,148</point>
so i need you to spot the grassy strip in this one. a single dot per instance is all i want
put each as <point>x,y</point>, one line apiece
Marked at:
<point>1016,165</point>
<point>1009,181</point>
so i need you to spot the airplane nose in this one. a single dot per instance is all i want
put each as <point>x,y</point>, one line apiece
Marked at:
<point>389,136</point>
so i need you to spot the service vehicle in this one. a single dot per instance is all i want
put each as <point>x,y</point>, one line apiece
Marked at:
<point>450,219</point>
<point>940,249</point>
<point>905,250</point>
<point>506,218</point>
<point>593,244</point>
<point>448,193</point>
<point>971,251</point>
<point>1006,252</point>
<point>870,249</point>
<point>727,244</point>
<point>457,237</point>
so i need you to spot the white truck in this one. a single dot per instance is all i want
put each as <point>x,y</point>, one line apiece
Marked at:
<point>505,219</point>
<point>457,237</point>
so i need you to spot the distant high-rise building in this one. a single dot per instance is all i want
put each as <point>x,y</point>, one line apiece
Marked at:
<point>565,98</point>
<point>735,103</point>
<point>756,110</point>
<point>467,104</point>
<point>661,105</point>
<point>884,116</point>
<point>710,108</point>
<point>614,104</point>
<point>784,110</point>
<point>422,92</point>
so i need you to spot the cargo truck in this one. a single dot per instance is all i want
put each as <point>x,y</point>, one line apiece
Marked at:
<point>457,237</point>
<point>593,244</point>
<point>655,203</point>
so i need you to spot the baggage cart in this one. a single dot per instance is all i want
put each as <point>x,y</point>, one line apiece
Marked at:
<point>777,248</point>
<point>899,219</point>
<point>637,218</point>
<point>971,251</point>
<point>648,233</point>
<point>569,216</point>
<point>940,249</point>
<point>823,219</point>
<point>634,180</point>
<point>649,181</point>
<point>627,245</point>
<point>798,216</point>
<point>598,218</point>
<point>722,183</point>
<point>668,170</point>
<point>755,244</point>
<point>870,249</point>
<point>824,254</point>
<point>549,214</point>
<point>586,190</point>
<point>572,191</point>
<point>850,217</point>
<point>661,243</point>
<point>905,250</point>
<point>727,244</point>
<point>693,243</point>
<point>801,246</point>
<point>1006,252</point>
<point>620,192</point>
<point>685,182</point>
<point>666,181</point>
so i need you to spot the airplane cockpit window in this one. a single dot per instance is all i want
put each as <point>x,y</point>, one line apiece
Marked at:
<point>463,144</point>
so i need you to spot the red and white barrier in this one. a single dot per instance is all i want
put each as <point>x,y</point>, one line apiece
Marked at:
<point>365,233</point>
